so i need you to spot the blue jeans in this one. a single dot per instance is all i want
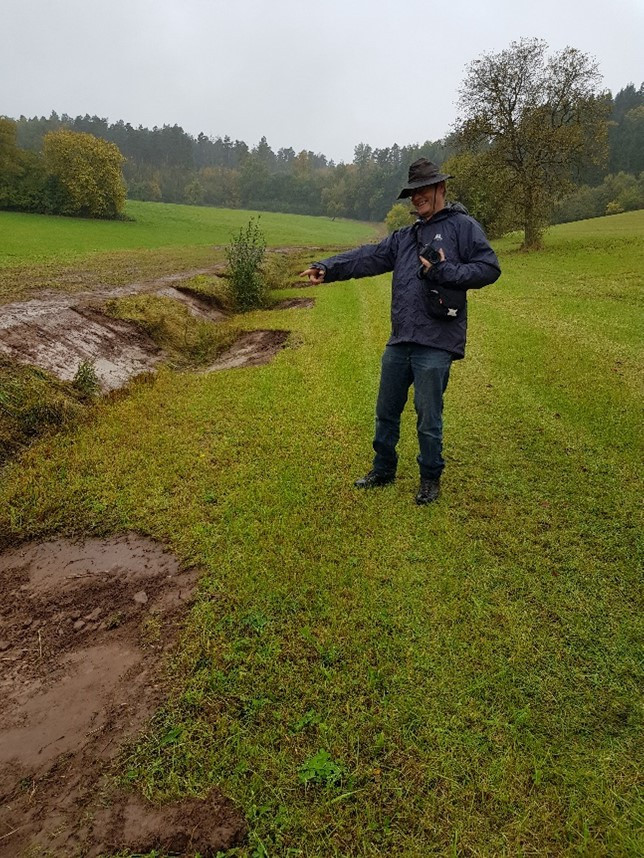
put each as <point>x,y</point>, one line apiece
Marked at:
<point>428,370</point>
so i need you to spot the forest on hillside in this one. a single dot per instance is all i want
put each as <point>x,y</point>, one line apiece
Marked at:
<point>169,165</point>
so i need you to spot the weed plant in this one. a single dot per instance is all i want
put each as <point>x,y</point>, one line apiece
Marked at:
<point>245,255</point>
<point>85,380</point>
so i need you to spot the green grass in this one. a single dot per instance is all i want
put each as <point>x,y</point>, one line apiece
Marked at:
<point>33,402</point>
<point>186,341</point>
<point>40,252</point>
<point>34,239</point>
<point>362,676</point>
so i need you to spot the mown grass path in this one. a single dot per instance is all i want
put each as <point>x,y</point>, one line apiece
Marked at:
<point>471,669</point>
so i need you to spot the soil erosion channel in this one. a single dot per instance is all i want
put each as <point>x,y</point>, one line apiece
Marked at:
<point>58,332</point>
<point>83,629</point>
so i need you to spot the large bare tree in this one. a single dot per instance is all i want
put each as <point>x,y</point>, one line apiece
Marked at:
<point>533,120</point>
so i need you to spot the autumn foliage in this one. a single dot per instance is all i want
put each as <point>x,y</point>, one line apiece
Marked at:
<point>86,172</point>
<point>75,174</point>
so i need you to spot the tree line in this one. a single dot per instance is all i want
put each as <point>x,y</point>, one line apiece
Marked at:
<point>169,165</point>
<point>552,137</point>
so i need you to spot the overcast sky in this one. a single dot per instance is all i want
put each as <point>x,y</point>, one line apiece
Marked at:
<point>321,75</point>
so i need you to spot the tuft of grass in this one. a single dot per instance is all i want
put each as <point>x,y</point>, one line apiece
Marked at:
<point>278,270</point>
<point>189,341</point>
<point>209,288</point>
<point>33,403</point>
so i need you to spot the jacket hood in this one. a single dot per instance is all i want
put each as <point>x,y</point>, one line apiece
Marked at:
<point>449,210</point>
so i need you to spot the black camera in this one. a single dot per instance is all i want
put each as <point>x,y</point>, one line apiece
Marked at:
<point>430,254</point>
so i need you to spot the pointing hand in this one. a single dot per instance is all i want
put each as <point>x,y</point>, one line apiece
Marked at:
<point>315,275</point>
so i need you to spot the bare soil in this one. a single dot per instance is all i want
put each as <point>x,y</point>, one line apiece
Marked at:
<point>57,336</point>
<point>83,630</point>
<point>57,332</point>
<point>293,303</point>
<point>251,349</point>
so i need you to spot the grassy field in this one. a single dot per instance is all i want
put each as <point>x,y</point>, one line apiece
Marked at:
<point>363,676</point>
<point>29,238</point>
<point>39,252</point>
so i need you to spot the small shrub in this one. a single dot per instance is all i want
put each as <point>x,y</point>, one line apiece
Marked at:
<point>614,207</point>
<point>245,255</point>
<point>86,381</point>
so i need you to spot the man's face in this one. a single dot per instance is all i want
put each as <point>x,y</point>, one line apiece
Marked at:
<point>428,199</point>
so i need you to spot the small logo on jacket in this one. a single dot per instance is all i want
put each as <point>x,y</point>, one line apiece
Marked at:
<point>438,237</point>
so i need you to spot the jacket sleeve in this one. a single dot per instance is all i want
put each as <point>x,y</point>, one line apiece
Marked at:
<point>477,265</point>
<point>365,261</point>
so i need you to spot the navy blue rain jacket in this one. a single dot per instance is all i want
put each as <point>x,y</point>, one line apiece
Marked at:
<point>469,263</point>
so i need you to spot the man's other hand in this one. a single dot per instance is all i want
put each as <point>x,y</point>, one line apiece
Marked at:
<point>427,265</point>
<point>315,275</point>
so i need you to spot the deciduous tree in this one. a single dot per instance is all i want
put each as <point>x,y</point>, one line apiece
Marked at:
<point>87,174</point>
<point>536,118</point>
<point>399,215</point>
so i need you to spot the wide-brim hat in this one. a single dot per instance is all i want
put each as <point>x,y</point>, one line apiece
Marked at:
<point>422,173</point>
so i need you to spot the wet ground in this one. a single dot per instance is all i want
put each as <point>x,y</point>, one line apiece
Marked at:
<point>251,349</point>
<point>83,630</point>
<point>84,626</point>
<point>58,332</point>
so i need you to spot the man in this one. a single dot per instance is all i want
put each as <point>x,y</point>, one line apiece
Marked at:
<point>434,262</point>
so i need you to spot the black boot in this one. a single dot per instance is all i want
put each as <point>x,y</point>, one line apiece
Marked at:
<point>428,490</point>
<point>375,478</point>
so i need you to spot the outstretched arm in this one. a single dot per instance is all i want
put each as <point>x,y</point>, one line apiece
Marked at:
<point>365,261</point>
<point>315,275</point>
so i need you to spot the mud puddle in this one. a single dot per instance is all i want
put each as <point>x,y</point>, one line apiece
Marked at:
<point>83,627</point>
<point>251,349</point>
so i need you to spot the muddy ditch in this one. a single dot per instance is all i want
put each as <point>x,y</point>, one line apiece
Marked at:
<point>294,303</point>
<point>59,333</point>
<point>83,631</point>
<point>250,349</point>
<point>99,341</point>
